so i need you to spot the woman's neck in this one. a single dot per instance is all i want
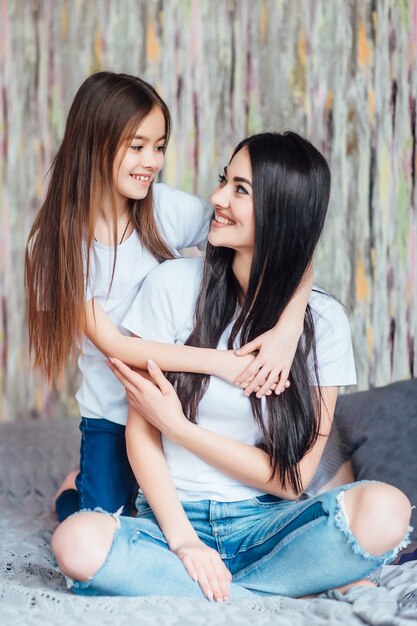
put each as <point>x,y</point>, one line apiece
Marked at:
<point>241,267</point>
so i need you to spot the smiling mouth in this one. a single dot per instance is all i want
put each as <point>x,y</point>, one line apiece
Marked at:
<point>222,220</point>
<point>142,178</point>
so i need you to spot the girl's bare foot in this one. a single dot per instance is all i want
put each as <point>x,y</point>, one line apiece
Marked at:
<point>68,483</point>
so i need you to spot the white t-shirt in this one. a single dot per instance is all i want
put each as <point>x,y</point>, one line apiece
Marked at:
<point>183,221</point>
<point>163,311</point>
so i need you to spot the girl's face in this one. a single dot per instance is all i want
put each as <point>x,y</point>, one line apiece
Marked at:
<point>134,169</point>
<point>233,223</point>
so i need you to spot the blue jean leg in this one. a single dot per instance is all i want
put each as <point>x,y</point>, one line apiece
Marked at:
<point>312,549</point>
<point>140,563</point>
<point>106,479</point>
<point>271,546</point>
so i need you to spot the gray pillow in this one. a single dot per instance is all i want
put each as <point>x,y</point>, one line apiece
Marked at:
<point>379,428</point>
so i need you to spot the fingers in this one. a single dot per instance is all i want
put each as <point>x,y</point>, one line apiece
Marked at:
<point>269,385</point>
<point>248,348</point>
<point>212,576</point>
<point>130,387</point>
<point>133,381</point>
<point>189,566</point>
<point>124,372</point>
<point>218,578</point>
<point>260,379</point>
<point>158,376</point>
<point>224,578</point>
<point>249,373</point>
<point>283,382</point>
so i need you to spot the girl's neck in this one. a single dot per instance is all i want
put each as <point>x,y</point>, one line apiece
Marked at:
<point>107,210</point>
<point>104,225</point>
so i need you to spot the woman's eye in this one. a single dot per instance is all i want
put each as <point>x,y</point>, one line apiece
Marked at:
<point>161,148</point>
<point>240,189</point>
<point>137,148</point>
<point>222,179</point>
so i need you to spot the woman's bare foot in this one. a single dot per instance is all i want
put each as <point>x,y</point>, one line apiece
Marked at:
<point>345,588</point>
<point>68,483</point>
<point>358,583</point>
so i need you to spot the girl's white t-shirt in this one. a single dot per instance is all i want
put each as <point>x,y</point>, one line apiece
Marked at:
<point>164,310</point>
<point>183,221</point>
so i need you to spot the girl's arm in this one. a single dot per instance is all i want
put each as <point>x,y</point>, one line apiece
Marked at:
<point>277,346</point>
<point>246,463</point>
<point>101,331</point>
<point>148,463</point>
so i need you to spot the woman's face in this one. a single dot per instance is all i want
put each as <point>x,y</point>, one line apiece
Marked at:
<point>136,167</point>
<point>233,223</point>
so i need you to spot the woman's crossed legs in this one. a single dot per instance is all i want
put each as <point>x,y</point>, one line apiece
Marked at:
<point>271,546</point>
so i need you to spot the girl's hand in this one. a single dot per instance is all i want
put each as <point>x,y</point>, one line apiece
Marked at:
<point>154,399</point>
<point>270,370</point>
<point>229,366</point>
<point>205,566</point>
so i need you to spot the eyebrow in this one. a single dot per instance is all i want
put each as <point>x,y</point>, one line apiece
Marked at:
<point>163,138</point>
<point>238,179</point>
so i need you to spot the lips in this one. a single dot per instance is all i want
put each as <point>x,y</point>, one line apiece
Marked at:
<point>222,219</point>
<point>142,178</point>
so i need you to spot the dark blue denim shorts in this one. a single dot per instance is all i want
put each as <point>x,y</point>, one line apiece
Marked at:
<point>105,479</point>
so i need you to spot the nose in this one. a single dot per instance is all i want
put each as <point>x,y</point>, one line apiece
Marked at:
<point>150,158</point>
<point>221,197</point>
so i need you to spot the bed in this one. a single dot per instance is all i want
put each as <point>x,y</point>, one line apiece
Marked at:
<point>35,455</point>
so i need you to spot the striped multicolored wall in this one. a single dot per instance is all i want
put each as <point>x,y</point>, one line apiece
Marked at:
<point>343,72</point>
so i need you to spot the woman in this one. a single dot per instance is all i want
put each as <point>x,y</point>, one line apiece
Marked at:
<point>220,499</point>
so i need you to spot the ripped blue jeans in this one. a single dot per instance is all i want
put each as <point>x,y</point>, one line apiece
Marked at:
<point>270,545</point>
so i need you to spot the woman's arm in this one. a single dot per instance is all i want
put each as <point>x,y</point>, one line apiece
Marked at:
<point>147,459</point>
<point>101,331</point>
<point>246,463</point>
<point>277,346</point>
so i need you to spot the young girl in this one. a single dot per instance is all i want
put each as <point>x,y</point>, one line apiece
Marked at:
<point>103,226</point>
<point>219,500</point>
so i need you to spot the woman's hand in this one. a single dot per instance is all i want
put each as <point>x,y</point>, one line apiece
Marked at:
<point>205,566</point>
<point>154,399</point>
<point>270,369</point>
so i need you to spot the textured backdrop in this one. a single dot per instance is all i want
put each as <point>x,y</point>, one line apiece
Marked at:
<point>343,72</point>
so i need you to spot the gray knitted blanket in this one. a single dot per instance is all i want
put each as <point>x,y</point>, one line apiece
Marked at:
<point>34,457</point>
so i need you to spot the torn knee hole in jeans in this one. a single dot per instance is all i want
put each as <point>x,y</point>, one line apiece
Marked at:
<point>342,522</point>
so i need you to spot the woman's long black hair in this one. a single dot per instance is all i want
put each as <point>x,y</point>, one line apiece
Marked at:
<point>291,186</point>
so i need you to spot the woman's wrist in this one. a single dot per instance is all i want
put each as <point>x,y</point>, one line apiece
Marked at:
<point>179,539</point>
<point>181,432</point>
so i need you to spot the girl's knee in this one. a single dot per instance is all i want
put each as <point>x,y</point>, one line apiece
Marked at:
<point>378,516</point>
<point>81,544</point>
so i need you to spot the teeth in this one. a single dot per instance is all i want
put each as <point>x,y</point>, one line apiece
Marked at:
<point>143,179</point>
<point>223,220</point>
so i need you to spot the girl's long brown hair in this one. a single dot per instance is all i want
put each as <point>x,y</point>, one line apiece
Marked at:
<point>105,114</point>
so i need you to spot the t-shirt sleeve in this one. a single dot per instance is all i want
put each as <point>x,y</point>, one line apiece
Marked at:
<point>336,365</point>
<point>184,219</point>
<point>163,309</point>
<point>151,314</point>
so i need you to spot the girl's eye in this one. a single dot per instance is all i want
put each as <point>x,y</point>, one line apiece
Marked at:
<point>240,189</point>
<point>137,148</point>
<point>161,148</point>
<point>222,179</point>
